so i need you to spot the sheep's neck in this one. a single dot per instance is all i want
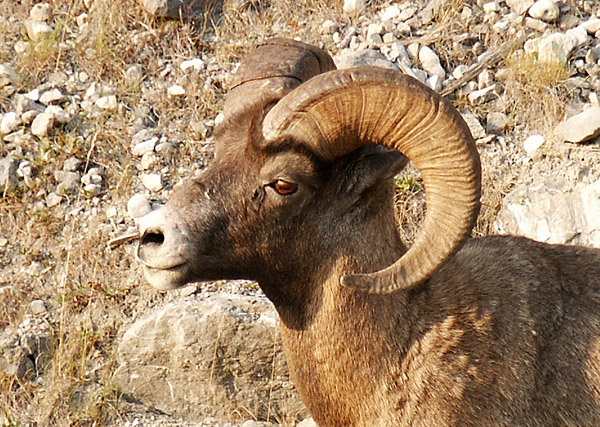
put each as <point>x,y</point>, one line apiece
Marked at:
<point>344,346</point>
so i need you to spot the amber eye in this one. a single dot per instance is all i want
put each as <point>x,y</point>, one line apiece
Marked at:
<point>284,188</point>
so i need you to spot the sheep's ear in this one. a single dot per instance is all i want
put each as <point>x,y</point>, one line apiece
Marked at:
<point>368,166</point>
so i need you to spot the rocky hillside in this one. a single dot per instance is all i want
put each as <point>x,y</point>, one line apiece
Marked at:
<point>106,105</point>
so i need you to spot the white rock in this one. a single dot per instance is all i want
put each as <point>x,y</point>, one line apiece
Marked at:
<point>37,30</point>
<point>555,48</point>
<point>21,47</point>
<point>138,206</point>
<point>72,164</point>
<point>536,24</point>
<point>10,121</point>
<point>53,199</point>
<point>390,13</point>
<point>41,12</point>
<point>108,103</point>
<point>482,96</point>
<point>92,190</point>
<point>435,83</point>
<point>57,113</point>
<point>51,96</point>
<point>431,62</point>
<point>196,63</point>
<point>29,116</point>
<point>152,181</point>
<point>134,73</point>
<point>519,6</point>
<point>545,10</point>
<point>38,307</point>
<point>176,90</point>
<point>7,72</point>
<point>581,127</point>
<point>532,146</point>
<point>33,95</point>
<point>144,147</point>
<point>579,35</point>
<point>407,13</point>
<point>459,71</point>
<point>491,7</point>
<point>353,6</point>
<point>474,126</point>
<point>329,27</point>
<point>148,159</point>
<point>592,25</point>
<point>42,124</point>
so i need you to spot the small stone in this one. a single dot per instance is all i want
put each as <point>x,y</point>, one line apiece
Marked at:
<point>42,124</point>
<point>92,190</point>
<point>8,173</point>
<point>519,6</point>
<point>144,147</point>
<point>21,47</point>
<point>72,164</point>
<point>484,79</point>
<point>389,38</point>
<point>475,127</point>
<point>496,122</point>
<point>152,181</point>
<point>164,147</point>
<point>581,127</point>
<point>390,13</point>
<point>108,103</point>
<point>176,90</point>
<point>532,146</point>
<point>329,27</point>
<point>431,62</point>
<point>51,96</point>
<point>29,116</point>
<point>592,26</point>
<point>58,114</point>
<point>196,64</point>
<point>68,181</point>
<point>10,121</point>
<point>24,169</point>
<point>353,6</point>
<point>482,96</point>
<point>148,159</point>
<point>407,13</point>
<point>138,206</point>
<point>491,7</point>
<point>8,73</point>
<point>38,307</point>
<point>545,10</point>
<point>536,24</point>
<point>459,71</point>
<point>37,30</point>
<point>435,83</point>
<point>134,73</point>
<point>41,12</point>
<point>53,199</point>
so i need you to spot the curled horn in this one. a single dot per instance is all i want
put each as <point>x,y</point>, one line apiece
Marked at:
<point>334,113</point>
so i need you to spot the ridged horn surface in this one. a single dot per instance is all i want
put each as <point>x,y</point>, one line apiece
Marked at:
<point>334,113</point>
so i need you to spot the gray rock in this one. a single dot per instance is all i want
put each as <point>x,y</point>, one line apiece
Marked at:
<point>68,181</point>
<point>482,96</point>
<point>8,173</point>
<point>53,199</point>
<point>175,9</point>
<point>329,27</point>
<point>364,57</point>
<point>72,164</point>
<point>431,62</point>
<point>545,10</point>
<point>152,181</point>
<point>544,211</point>
<point>8,73</point>
<point>38,307</point>
<point>134,73</point>
<point>496,122</point>
<point>581,127</point>
<point>214,357</point>
<point>138,206</point>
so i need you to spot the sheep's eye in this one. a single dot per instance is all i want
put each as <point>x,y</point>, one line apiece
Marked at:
<point>284,188</point>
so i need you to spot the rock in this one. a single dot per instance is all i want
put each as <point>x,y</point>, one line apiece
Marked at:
<point>430,62</point>
<point>68,181</point>
<point>175,9</point>
<point>474,126</point>
<point>532,146</point>
<point>592,26</point>
<point>38,307</point>
<point>42,124</point>
<point>491,7</point>
<point>134,73</point>
<point>8,73</point>
<point>176,90</point>
<point>53,199</point>
<point>329,27</point>
<point>482,96</point>
<point>58,114</point>
<point>92,190</point>
<point>51,96</point>
<point>8,173</point>
<point>144,147</point>
<point>10,121</point>
<point>213,357</point>
<point>108,103</point>
<point>581,127</point>
<point>519,6</point>
<point>41,12</point>
<point>557,47</point>
<point>72,164</point>
<point>138,206</point>
<point>196,64</point>
<point>496,122</point>
<point>536,24</point>
<point>545,10</point>
<point>353,7</point>
<point>435,83</point>
<point>544,211</point>
<point>308,422</point>
<point>152,181</point>
<point>364,57</point>
<point>390,13</point>
<point>37,30</point>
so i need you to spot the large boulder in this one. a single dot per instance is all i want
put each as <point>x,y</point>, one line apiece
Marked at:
<point>220,357</point>
<point>547,212</point>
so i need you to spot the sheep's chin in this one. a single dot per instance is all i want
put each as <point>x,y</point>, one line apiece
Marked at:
<point>166,279</point>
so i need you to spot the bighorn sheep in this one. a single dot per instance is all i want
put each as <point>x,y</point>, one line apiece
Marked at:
<point>454,330</point>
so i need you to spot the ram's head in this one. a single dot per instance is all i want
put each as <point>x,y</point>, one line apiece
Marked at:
<point>301,183</point>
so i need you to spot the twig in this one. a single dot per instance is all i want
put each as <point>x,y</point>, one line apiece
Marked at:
<point>489,59</point>
<point>125,238</point>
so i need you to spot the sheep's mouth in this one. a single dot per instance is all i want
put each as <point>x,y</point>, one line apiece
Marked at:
<point>166,278</point>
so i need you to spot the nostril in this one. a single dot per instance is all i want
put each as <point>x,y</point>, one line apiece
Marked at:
<point>153,237</point>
